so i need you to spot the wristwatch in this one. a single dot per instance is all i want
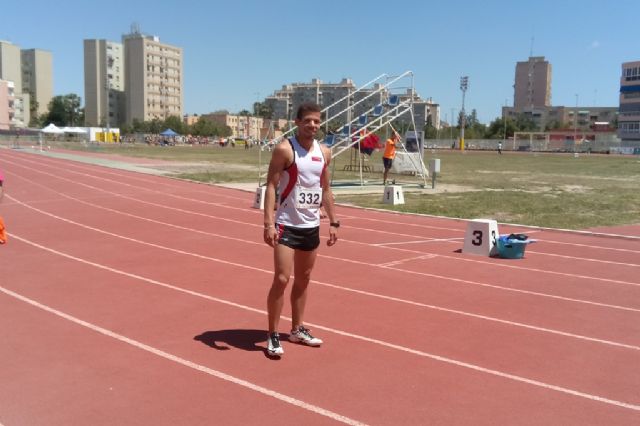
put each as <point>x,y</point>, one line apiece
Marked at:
<point>335,224</point>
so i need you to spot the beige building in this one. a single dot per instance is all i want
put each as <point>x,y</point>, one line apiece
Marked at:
<point>37,77</point>
<point>582,118</point>
<point>104,83</point>
<point>190,120</point>
<point>532,88</point>
<point>6,104</point>
<point>153,78</point>
<point>242,126</point>
<point>285,102</point>
<point>629,109</point>
<point>10,64</point>
<point>10,71</point>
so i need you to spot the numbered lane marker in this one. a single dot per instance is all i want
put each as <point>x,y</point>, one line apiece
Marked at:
<point>393,195</point>
<point>480,237</point>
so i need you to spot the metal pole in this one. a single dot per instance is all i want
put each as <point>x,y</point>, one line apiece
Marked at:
<point>575,125</point>
<point>451,125</point>
<point>464,85</point>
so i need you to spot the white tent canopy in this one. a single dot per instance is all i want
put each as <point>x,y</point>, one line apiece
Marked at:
<point>53,129</point>
<point>77,130</point>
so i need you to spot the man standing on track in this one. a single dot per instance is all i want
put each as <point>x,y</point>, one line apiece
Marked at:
<point>299,170</point>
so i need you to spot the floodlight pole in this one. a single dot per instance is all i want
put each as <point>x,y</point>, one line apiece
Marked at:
<point>575,126</point>
<point>464,85</point>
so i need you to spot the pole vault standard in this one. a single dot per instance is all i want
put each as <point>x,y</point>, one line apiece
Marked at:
<point>350,135</point>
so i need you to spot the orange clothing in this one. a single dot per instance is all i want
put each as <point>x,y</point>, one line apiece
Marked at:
<point>3,233</point>
<point>390,149</point>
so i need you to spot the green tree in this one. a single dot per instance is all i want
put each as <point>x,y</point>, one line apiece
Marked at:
<point>175,123</point>
<point>207,127</point>
<point>155,126</point>
<point>260,109</point>
<point>64,110</point>
<point>524,123</point>
<point>33,106</point>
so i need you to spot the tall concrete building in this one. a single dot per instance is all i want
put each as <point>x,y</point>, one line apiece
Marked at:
<point>629,109</point>
<point>10,64</point>
<point>10,71</point>
<point>532,88</point>
<point>153,78</point>
<point>37,77</point>
<point>6,104</point>
<point>104,83</point>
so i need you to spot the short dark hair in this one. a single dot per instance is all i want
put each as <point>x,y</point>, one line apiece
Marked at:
<point>307,107</point>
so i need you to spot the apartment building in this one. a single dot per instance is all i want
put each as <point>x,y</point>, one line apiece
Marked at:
<point>285,102</point>
<point>532,88</point>
<point>629,108</point>
<point>11,72</point>
<point>153,78</point>
<point>582,117</point>
<point>104,83</point>
<point>242,126</point>
<point>37,77</point>
<point>6,104</point>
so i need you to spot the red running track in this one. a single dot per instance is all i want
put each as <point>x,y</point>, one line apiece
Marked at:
<point>134,299</point>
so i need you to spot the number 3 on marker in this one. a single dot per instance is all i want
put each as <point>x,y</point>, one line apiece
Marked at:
<point>478,240</point>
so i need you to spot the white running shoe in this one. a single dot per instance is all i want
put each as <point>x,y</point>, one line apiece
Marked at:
<point>273,345</point>
<point>302,335</point>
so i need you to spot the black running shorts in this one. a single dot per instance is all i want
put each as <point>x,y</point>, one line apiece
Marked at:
<point>387,162</point>
<point>306,239</point>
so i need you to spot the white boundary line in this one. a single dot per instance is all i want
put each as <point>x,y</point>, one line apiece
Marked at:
<point>456,280</point>
<point>155,351</point>
<point>56,166</point>
<point>533,227</point>
<point>375,295</point>
<point>458,258</point>
<point>439,358</point>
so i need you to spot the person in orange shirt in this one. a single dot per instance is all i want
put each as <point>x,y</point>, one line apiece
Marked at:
<point>389,155</point>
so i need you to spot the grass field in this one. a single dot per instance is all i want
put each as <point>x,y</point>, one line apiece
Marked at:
<point>552,190</point>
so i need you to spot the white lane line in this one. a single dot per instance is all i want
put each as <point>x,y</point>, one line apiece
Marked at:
<point>155,351</point>
<point>384,297</point>
<point>382,343</point>
<point>428,240</point>
<point>456,258</point>
<point>504,265</point>
<point>584,259</point>
<point>532,229</point>
<point>350,290</point>
<point>139,188</point>
<point>181,184</point>
<point>370,230</point>
<point>456,280</point>
<point>408,259</point>
<point>592,246</point>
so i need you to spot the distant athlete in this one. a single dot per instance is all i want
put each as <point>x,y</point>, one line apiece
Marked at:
<point>299,170</point>
<point>389,155</point>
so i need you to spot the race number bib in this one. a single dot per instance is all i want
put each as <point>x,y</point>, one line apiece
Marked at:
<point>308,198</point>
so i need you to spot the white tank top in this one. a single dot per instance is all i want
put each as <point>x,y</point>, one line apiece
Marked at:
<point>305,171</point>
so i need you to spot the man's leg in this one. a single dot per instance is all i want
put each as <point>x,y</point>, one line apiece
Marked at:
<point>303,265</point>
<point>283,263</point>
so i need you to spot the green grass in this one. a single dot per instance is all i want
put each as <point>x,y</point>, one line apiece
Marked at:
<point>552,190</point>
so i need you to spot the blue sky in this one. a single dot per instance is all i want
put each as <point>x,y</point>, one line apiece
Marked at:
<point>236,52</point>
